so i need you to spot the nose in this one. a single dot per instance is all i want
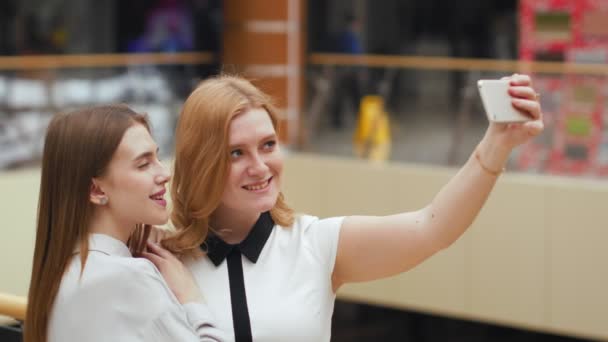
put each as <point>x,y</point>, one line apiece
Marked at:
<point>164,175</point>
<point>257,166</point>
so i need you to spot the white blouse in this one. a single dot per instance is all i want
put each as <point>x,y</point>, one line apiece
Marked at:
<point>121,298</point>
<point>275,285</point>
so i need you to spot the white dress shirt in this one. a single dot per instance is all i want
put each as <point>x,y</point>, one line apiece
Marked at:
<point>276,284</point>
<point>121,298</point>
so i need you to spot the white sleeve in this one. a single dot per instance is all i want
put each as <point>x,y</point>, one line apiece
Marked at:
<point>189,322</point>
<point>134,304</point>
<point>323,236</point>
<point>169,325</point>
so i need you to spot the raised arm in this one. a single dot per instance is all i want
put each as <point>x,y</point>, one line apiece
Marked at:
<point>373,247</point>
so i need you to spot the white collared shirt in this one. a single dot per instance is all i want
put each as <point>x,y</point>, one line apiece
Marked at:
<point>121,298</point>
<point>275,285</point>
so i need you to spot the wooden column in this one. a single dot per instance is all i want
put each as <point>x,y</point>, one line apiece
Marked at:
<point>263,41</point>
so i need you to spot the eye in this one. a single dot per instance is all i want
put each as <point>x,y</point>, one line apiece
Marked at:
<point>270,144</point>
<point>143,166</point>
<point>236,153</point>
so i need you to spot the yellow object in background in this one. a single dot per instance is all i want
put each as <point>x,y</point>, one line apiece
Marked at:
<point>372,137</point>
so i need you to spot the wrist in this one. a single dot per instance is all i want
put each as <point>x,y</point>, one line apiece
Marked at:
<point>488,170</point>
<point>492,155</point>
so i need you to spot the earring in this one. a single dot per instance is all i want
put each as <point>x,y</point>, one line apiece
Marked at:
<point>103,200</point>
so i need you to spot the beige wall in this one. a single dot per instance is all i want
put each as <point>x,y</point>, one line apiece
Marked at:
<point>535,257</point>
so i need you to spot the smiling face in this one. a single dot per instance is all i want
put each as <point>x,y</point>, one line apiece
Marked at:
<point>256,164</point>
<point>134,181</point>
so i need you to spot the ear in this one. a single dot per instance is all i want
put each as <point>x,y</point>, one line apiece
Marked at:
<point>96,194</point>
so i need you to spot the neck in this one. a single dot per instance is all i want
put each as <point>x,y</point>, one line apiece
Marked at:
<point>232,226</point>
<point>103,223</point>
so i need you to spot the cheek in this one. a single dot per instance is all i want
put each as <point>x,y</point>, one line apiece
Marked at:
<point>235,177</point>
<point>134,185</point>
<point>276,165</point>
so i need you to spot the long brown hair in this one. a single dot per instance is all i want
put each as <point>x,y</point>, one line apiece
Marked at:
<point>202,157</point>
<point>78,147</point>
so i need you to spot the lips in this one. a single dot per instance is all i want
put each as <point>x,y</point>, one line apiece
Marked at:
<point>259,186</point>
<point>158,197</point>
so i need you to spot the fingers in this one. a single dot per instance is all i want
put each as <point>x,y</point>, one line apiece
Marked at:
<point>520,80</point>
<point>155,259</point>
<point>534,128</point>
<point>523,92</point>
<point>530,107</point>
<point>525,98</point>
<point>158,250</point>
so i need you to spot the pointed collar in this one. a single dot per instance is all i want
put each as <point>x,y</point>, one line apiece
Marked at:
<point>108,245</point>
<point>251,247</point>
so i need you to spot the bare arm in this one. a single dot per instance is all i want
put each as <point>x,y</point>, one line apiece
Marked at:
<point>372,247</point>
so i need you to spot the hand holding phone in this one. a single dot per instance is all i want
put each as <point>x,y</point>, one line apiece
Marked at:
<point>497,102</point>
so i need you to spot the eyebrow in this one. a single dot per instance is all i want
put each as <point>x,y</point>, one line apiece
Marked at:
<point>146,154</point>
<point>267,137</point>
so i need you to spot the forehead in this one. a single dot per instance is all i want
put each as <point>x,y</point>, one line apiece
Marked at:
<point>251,125</point>
<point>135,141</point>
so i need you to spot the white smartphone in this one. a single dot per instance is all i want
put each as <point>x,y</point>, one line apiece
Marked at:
<point>497,102</point>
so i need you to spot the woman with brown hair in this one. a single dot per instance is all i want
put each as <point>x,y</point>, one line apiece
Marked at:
<point>279,273</point>
<point>100,179</point>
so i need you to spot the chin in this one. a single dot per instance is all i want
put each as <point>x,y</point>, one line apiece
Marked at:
<point>158,221</point>
<point>265,204</point>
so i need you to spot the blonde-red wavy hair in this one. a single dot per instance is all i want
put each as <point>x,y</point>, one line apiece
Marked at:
<point>202,158</point>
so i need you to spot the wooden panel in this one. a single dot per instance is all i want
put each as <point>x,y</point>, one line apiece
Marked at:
<point>283,130</point>
<point>457,281</point>
<point>360,188</point>
<point>352,187</point>
<point>577,238</point>
<point>302,183</point>
<point>242,10</point>
<point>508,264</point>
<point>438,285</point>
<point>245,48</point>
<point>276,87</point>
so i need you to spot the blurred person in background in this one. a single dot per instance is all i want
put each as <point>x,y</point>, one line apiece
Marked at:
<point>168,28</point>
<point>271,275</point>
<point>101,185</point>
<point>347,79</point>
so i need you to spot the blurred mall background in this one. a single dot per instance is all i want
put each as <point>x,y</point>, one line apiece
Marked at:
<point>390,82</point>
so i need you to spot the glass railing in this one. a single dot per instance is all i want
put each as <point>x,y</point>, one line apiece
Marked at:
<point>435,115</point>
<point>431,109</point>
<point>33,88</point>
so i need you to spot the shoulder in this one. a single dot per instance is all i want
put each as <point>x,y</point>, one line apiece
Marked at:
<point>319,238</point>
<point>315,232</point>
<point>115,297</point>
<point>310,224</point>
<point>108,281</point>
<point>105,268</point>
